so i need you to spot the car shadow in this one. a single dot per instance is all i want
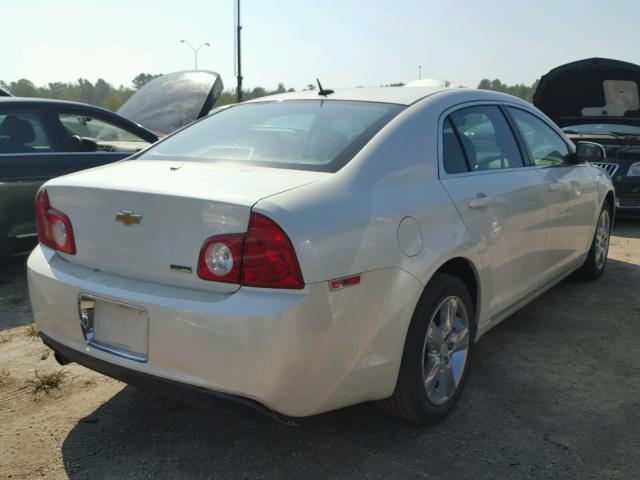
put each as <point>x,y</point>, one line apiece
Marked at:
<point>542,395</point>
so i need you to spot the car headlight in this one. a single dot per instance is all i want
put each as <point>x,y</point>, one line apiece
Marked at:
<point>634,170</point>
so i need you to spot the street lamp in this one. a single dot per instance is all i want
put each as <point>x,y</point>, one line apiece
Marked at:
<point>195,50</point>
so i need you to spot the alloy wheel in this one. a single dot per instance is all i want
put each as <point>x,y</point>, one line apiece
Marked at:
<point>602,239</point>
<point>444,354</point>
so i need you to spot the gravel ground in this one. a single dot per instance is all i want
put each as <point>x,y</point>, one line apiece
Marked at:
<point>553,393</point>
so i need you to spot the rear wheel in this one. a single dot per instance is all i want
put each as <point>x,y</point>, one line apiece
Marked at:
<point>436,355</point>
<point>597,259</point>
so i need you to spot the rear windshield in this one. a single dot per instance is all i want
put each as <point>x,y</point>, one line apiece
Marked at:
<point>321,135</point>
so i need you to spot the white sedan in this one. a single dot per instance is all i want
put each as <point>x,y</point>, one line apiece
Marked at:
<point>302,252</point>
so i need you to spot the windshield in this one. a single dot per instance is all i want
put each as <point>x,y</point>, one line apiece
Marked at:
<point>321,135</point>
<point>603,128</point>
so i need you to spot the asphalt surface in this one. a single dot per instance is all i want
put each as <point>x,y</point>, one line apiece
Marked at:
<point>553,392</point>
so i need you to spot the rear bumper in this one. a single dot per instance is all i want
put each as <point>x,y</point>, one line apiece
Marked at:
<point>180,391</point>
<point>298,353</point>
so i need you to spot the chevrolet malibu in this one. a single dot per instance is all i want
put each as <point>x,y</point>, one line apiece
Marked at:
<point>304,252</point>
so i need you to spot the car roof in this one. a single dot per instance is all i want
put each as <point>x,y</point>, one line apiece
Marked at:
<point>398,95</point>
<point>50,101</point>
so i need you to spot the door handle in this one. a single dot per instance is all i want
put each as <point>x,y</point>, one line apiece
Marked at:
<point>480,202</point>
<point>555,187</point>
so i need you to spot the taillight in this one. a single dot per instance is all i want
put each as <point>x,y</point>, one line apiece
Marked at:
<point>269,258</point>
<point>264,257</point>
<point>54,227</point>
<point>221,258</point>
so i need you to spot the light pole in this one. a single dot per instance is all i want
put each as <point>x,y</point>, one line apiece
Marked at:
<point>195,50</point>
<point>419,72</point>
<point>238,27</point>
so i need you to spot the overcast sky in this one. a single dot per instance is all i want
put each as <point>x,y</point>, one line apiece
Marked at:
<point>344,42</point>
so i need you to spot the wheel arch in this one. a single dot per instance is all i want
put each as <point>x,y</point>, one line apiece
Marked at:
<point>611,198</point>
<point>464,269</point>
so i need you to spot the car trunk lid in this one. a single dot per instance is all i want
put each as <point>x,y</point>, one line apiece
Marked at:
<point>148,219</point>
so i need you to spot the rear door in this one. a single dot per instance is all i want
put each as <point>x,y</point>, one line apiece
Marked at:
<point>569,190</point>
<point>500,198</point>
<point>27,147</point>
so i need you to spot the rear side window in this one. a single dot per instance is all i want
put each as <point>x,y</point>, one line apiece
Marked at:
<point>486,138</point>
<point>545,146</point>
<point>454,159</point>
<point>321,135</point>
<point>23,132</point>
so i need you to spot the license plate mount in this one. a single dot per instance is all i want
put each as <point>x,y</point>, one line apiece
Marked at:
<point>115,327</point>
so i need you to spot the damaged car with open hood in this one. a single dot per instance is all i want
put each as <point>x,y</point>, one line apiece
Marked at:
<point>597,100</point>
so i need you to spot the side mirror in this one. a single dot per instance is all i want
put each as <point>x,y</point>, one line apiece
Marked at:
<point>590,152</point>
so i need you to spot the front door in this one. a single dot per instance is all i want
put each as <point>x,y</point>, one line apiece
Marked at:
<point>569,189</point>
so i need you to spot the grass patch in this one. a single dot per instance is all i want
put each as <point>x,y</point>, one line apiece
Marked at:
<point>46,382</point>
<point>31,330</point>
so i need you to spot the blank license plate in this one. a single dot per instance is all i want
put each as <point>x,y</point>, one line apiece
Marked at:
<point>115,327</point>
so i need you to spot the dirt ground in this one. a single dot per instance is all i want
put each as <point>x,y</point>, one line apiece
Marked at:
<point>554,392</point>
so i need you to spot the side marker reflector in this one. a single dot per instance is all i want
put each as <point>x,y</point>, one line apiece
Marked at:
<point>339,283</point>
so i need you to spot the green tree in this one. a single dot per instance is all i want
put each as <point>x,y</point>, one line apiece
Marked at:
<point>142,79</point>
<point>23,88</point>
<point>104,94</point>
<point>519,89</point>
<point>229,96</point>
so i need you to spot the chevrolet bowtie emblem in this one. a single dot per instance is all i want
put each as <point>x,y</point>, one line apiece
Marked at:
<point>127,217</point>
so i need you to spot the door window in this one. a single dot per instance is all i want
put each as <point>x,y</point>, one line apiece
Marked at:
<point>22,132</point>
<point>545,145</point>
<point>486,138</point>
<point>89,133</point>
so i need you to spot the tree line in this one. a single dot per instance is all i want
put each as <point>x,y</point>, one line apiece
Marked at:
<point>103,94</point>
<point>106,95</point>
<point>518,90</point>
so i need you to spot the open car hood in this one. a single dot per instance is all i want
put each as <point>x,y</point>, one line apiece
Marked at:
<point>174,100</point>
<point>595,90</point>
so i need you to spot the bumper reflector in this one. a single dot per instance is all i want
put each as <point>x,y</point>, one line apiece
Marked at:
<point>343,282</point>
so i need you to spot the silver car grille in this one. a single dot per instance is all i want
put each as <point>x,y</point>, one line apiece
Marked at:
<point>610,168</point>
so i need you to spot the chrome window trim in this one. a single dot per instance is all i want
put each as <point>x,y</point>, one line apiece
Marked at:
<point>442,173</point>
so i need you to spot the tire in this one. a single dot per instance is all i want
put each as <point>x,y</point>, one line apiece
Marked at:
<point>424,393</point>
<point>596,261</point>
